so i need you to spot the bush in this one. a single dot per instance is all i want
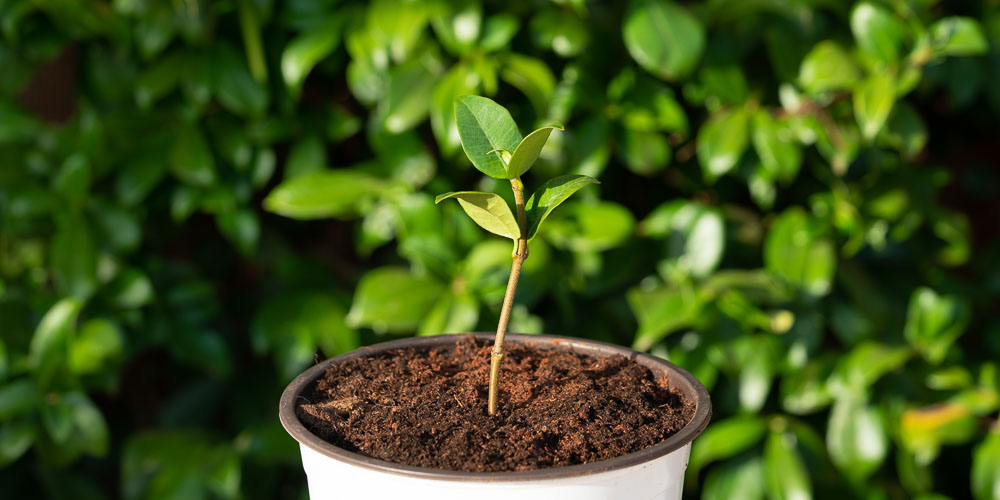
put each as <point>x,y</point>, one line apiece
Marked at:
<point>797,204</point>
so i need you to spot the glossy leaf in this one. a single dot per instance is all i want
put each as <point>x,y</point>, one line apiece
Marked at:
<point>856,437</point>
<point>325,193</point>
<point>934,322</point>
<point>985,464</point>
<point>722,141</point>
<point>660,312</point>
<point>725,439</point>
<point>796,250</point>
<point>663,37</point>
<point>958,36</point>
<point>526,153</point>
<point>776,147</point>
<point>877,31</point>
<point>306,50</point>
<point>390,299</point>
<point>485,126</point>
<point>827,67</point>
<point>873,100</point>
<point>488,210</point>
<point>785,474</point>
<point>50,343</point>
<point>98,343</point>
<point>695,236</point>
<point>549,196</point>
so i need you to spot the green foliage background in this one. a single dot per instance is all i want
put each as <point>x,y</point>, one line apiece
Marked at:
<point>798,204</point>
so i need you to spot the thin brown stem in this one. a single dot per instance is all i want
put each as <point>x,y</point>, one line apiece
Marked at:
<point>520,253</point>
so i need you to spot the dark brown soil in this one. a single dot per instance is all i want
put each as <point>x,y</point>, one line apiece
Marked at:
<point>427,408</point>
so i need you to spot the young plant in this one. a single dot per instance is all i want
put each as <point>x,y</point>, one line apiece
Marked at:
<point>493,143</point>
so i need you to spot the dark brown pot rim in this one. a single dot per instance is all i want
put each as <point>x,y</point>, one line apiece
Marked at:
<point>692,389</point>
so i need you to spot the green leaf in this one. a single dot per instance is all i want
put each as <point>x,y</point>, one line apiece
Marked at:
<point>958,36</point>
<point>785,474</point>
<point>776,147</point>
<point>307,155</point>
<point>73,257</point>
<point>877,31</point>
<point>934,322</point>
<point>725,439</point>
<point>408,95</point>
<point>390,299</point>
<point>796,250</point>
<point>864,365</point>
<point>452,313</point>
<point>241,227</point>
<point>16,437</point>
<point>924,430</point>
<point>498,31</point>
<point>695,236</point>
<point>18,397</point>
<point>458,28</point>
<point>856,437</point>
<point>722,141</point>
<point>985,464</point>
<point>905,131</point>
<point>663,37</point>
<point>235,89</point>
<point>804,391</point>
<point>130,289</point>
<point>98,342</point>
<point>484,126</point>
<point>660,312</point>
<point>549,196</point>
<point>562,31</point>
<point>528,150</point>
<point>532,77</point>
<point>827,67</point>
<point>873,100</point>
<point>326,193</point>
<point>190,158</point>
<point>740,479</point>
<point>489,210</point>
<point>306,50</point>
<point>459,81</point>
<point>645,153</point>
<point>50,343</point>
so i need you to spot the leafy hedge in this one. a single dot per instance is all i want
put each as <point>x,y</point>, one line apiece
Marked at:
<point>797,204</point>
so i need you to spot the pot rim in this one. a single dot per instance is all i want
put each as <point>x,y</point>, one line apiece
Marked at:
<point>679,378</point>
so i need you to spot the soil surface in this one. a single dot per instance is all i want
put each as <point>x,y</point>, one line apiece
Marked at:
<point>427,407</point>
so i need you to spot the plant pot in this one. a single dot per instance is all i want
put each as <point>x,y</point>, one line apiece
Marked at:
<point>654,472</point>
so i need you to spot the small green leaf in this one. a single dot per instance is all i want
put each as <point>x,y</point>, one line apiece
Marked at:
<point>191,160</point>
<point>958,36</point>
<point>905,131</point>
<point>856,436</point>
<point>528,150</point>
<point>18,397</point>
<point>489,210</point>
<point>50,343</point>
<point>645,153</point>
<point>326,193</point>
<point>776,147</point>
<point>827,67</point>
<point>130,289</point>
<point>15,439</point>
<point>864,365</point>
<point>663,37</point>
<point>934,322</point>
<point>73,257</point>
<point>549,196</point>
<point>532,77</point>
<point>796,250</point>
<point>660,312</point>
<point>98,342</point>
<point>306,50</point>
<point>985,464</point>
<point>452,313</point>
<point>241,227</point>
<point>722,141</point>
<point>307,155</point>
<point>407,100</point>
<point>877,30</point>
<point>726,438</point>
<point>498,31</point>
<point>740,479</point>
<point>804,390</point>
<point>785,474</point>
<point>390,299</point>
<point>695,236</point>
<point>484,126</point>
<point>873,100</point>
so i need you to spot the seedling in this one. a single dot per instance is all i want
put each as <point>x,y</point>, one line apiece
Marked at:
<point>493,143</point>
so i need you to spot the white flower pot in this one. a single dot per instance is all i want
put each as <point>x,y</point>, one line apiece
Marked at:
<point>655,472</point>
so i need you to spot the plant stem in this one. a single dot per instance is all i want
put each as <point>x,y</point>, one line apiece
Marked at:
<point>520,253</point>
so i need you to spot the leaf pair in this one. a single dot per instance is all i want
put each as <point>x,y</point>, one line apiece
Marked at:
<point>492,141</point>
<point>492,213</point>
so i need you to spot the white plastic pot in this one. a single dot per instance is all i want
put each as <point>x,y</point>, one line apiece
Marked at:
<point>655,472</point>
